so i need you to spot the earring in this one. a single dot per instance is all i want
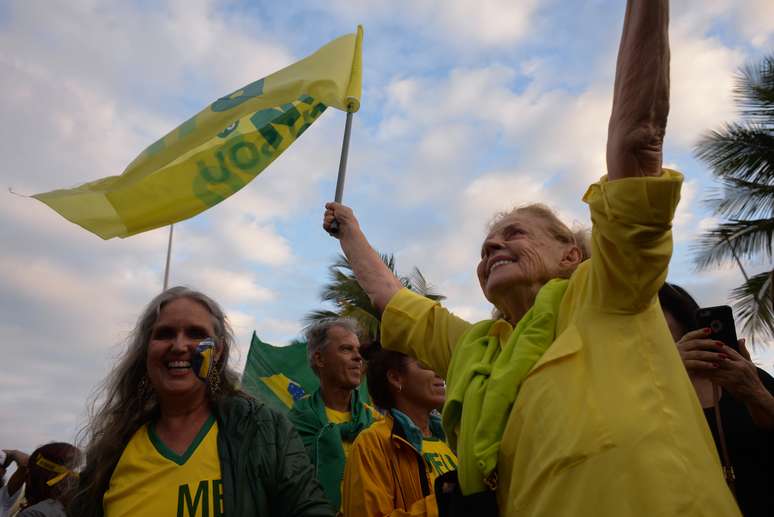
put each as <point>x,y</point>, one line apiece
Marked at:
<point>213,382</point>
<point>400,388</point>
<point>144,389</point>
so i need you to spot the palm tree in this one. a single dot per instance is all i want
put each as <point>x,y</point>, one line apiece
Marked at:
<point>741,155</point>
<point>352,301</point>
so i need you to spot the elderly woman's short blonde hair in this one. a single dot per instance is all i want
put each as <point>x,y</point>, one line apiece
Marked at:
<point>556,228</point>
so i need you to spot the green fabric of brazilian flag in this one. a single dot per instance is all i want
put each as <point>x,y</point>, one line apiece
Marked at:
<point>280,375</point>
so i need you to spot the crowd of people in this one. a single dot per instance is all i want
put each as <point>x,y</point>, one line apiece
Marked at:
<point>592,391</point>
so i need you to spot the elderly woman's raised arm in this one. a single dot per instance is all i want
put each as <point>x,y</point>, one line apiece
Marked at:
<point>641,92</point>
<point>411,323</point>
<point>376,279</point>
<point>632,209</point>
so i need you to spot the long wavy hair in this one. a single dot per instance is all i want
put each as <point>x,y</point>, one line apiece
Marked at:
<point>125,400</point>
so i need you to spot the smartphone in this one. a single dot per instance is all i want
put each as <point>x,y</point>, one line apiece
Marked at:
<point>720,320</point>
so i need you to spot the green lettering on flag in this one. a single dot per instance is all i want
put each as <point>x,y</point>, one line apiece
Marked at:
<point>218,151</point>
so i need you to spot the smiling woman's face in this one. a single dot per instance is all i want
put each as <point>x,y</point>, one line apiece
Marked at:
<point>421,386</point>
<point>183,323</point>
<point>518,252</point>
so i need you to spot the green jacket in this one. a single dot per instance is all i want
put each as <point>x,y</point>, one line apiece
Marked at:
<point>264,467</point>
<point>263,464</point>
<point>323,439</point>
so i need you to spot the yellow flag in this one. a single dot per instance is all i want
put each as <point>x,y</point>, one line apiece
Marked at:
<point>218,151</point>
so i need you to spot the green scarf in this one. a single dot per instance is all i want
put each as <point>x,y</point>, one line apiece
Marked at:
<point>484,379</point>
<point>323,439</point>
<point>412,433</point>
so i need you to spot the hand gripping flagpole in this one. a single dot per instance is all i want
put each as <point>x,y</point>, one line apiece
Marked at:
<point>342,167</point>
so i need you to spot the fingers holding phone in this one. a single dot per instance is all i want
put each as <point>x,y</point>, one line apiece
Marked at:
<point>699,352</point>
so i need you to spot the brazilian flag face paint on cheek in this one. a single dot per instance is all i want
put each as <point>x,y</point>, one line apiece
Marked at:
<point>203,360</point>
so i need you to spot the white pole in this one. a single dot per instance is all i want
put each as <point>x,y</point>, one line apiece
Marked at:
<point>343,161</point>
<point>169,253</point>
<point>342,168</point>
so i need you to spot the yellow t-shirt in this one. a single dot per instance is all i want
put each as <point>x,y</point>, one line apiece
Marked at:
<point>340,417</point>
<point>150,479</point>
<point>439,458</point>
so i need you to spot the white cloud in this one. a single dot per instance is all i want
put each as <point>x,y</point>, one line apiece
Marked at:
<point>707,223</point>
<point>702,80</point>
<point>683,223</point>
<point>490,23</point>
<point>751,18</point>
<point>755,20</point>
<point>228,287</point>
<point>279,331</point>
<point>467,25</point>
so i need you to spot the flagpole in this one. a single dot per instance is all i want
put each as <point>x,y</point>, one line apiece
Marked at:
<point>343,161</point>
<point>169,253</point>
<point>342,166</point>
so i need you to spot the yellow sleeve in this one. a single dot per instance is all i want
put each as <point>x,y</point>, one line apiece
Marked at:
<point>369,484</point>
<point>631,239</point>
<point>422,329</point>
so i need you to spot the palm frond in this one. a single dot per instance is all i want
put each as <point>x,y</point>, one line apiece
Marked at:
<point>755,89</point>
<point>748,239</point>
<point>740,199</point>
<point>315,316</point>
<point>741,151</point>
<point>350,300</point>
<point>369,321</point>
<point>419,284</point>
<point>753,305</point>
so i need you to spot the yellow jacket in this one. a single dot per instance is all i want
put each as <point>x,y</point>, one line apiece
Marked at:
<point>607,423</point>
<point>382,475</point>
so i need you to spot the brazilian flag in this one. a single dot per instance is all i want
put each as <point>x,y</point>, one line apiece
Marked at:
<point>280,375</point>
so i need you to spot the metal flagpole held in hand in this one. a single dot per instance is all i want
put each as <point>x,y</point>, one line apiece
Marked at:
<point>342,168</point>
<point>169,253</point>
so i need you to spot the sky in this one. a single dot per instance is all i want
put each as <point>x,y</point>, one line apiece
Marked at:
<point>469,107</point>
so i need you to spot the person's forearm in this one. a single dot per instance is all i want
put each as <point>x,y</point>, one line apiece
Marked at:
<point>376,279</point>
<point>17,479</point>
<point>760,405</point>
<point>641,92</point>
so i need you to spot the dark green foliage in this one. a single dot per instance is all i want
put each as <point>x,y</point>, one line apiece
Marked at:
<point>351,300</point>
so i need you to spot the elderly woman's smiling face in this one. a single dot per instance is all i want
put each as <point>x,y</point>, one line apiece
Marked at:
<point>520,252</point>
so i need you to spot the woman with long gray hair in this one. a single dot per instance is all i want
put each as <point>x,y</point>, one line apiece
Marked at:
<point>171,434</point>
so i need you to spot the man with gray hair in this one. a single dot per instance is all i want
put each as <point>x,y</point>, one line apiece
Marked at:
<point>329,419</point>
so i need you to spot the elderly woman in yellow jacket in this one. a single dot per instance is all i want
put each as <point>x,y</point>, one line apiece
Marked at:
<point>575,402</point>
<point>392,466</point>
